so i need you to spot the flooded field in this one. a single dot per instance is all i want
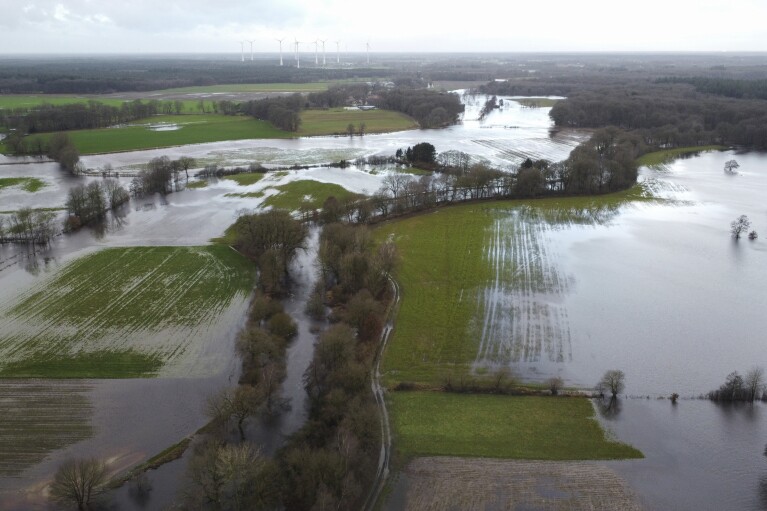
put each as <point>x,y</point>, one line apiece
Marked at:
<point>657,289</point>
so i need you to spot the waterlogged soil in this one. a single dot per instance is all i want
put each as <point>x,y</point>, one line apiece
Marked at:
<point>447,484</point>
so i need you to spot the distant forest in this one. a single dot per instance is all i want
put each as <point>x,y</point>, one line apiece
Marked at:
<point>101,75</point>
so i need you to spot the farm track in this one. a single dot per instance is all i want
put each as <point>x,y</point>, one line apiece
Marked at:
<point>384,457</point>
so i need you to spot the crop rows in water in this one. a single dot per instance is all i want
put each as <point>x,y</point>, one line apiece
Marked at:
<point>520,312</point>
<point>124,312</point>
<point>483,285</point>
<point>39,417</point>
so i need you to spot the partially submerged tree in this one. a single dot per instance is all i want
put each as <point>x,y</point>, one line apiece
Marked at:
<point>79,482</point>
<point>613,381</point>
<point>731,166</point>
<point>739,226</point>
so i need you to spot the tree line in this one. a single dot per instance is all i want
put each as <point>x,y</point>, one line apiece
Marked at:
<point>77,116</point>
<point>430,108</point>
<point>665,117</point>
<point>284,112</point>
<point>75,75</point>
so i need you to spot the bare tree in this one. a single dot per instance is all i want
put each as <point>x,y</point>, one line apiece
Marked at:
<point>754,382</point>
<point>78,482</point>
<point>614,381</point>
<point>739,226</point>
<point>555,384</point>
<point>237,404</point>
<point>731,166</point>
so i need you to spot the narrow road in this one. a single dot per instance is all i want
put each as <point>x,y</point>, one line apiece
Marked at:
<point>378,391</point>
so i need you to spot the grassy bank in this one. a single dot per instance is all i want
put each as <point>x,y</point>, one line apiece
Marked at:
<point>335,121</point>
<point>533,428</point>
<point>123,312</point>
<point>659,158</point>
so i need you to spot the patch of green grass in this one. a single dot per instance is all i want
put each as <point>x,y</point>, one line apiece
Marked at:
<point>334,121</point>
<point>246,179</point>
<point>99,364</point>
<point>194,129</point>
<point>492,426</point>
<point>122,312</point>
<point>28,184</point>
<point>197,184</point>
<point>445,270</point>
<point>249,195</point>
<point>34,209</point>
<point>32,100</point>
<point>659,158</point>
<point>536,102</point>
<point>416,171</point>
<point>307,193</point>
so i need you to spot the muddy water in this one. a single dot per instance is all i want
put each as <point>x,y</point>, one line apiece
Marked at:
<point>698,455</point>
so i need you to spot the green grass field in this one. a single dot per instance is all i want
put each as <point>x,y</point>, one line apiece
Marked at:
<point>249,178</point>
<point>201,128</point>
<point>660,158</point>
<point>124,312</point>
<point>28,184</point>
<point>492,426</point>
<point>31,100</point>
<point>450,258</point>
<point>335,121</point>
<point>194,129</point>
<point>197,184</point>
<point>307,193</point>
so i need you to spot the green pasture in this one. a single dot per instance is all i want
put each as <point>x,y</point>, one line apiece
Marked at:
<point>335,121</point>
<point>193,129</point>
<point>244,179</point>
<point>308,194</point>
<point>28,184</point>
<point>495,426</point>
<point>445,268</point>
<point>122,312</point>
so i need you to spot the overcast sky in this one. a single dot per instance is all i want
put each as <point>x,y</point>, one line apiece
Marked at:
<point>214,26</point>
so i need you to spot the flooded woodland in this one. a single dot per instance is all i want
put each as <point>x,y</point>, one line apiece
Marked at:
<point>653,285</point>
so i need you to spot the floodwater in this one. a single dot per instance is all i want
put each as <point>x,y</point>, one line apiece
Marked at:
<point>657,289</point>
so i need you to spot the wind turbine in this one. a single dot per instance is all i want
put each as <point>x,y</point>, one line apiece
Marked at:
<point>242,50</point>
<point>298,55</point>
<point>338,52</point>
<point>280,41</point>
<point>323,51</point>
<point>251,49</point>
<point>316,53</point>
